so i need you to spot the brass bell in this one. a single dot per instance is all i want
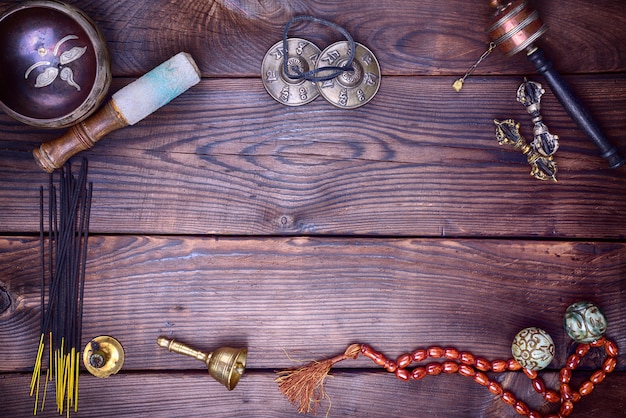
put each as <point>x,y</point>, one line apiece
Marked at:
<point>103,356</point>
<point>226,364</point>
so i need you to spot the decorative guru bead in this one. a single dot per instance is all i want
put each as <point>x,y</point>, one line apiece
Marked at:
<point>533,348</point>
<point>584,322</point>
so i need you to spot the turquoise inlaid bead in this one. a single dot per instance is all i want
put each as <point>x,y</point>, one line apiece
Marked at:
<point>584,322</point>
<point>533,348</point>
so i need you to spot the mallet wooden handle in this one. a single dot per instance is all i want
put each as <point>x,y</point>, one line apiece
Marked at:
<point>82,136</point>
<point>127,107</point>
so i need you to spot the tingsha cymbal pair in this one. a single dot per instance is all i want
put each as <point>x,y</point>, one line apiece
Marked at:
<point>295,71</point>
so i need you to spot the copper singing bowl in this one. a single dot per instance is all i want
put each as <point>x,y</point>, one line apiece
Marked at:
<point>54,64</point>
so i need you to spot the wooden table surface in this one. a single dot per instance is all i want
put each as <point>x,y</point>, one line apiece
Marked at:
<point>227,218</point>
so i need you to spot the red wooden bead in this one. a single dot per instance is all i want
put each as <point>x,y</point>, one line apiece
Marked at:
<point>380,359</point>
<point>565,375</point>
<point>391,366</point>
<point>482,364</point>
<point>367,351</point>
<point>552,396</point>
<point>611,348</point>
<point>419,355</point>
<point>495,388</point>
<point>404,360</point>
<point>513,365</point>
<point>597,376</point>
<point>467,371</point>
<point>609,363</point>
<point>466,358</point>
<point>521,408</point>
<point>403,374</point>
<point>450,367</point>
<point>532,374</point>
<point>567,408</point>
<point>576,397</point>
<point>481,378</point>
<point>418,373</point>
<point>573,361</point>
<point>553,416</point>
<point>376,357</point>
<point>451,353</point>
<point>582,349</point>
<point>498,366</point>
<point>435,352</point>
<point>598,343</point>
<point>566,391</point>
<point>535,414</point>
<point>539,385</point>
<point>433,369</point>
<point>508,397</point>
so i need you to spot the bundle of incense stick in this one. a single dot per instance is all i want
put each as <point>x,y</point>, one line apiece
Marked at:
<point>63,248</point>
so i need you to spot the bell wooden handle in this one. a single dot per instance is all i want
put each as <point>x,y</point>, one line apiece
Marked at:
<point>128,106</point>
<point>82,136</point>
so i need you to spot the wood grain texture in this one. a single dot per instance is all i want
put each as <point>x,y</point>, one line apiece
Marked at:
<point>314,297</point>
<point>229,37</point>
<point>226,218</point>
<point>402,165</point>
<point>354,393</point>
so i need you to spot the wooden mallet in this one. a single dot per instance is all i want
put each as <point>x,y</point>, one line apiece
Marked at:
<point>127,106</point>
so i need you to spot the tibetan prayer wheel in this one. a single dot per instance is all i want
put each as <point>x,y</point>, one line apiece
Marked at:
<point>515,27</point>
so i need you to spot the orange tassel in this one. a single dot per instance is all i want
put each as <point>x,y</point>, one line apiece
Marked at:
<point>304,387</point>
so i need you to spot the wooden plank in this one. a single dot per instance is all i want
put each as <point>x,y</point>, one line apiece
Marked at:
<point>225,158</point>
<point>229,38</point>
<point>351,393</point>
<point>311,297</point>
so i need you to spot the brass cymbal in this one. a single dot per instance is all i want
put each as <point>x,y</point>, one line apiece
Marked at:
<point>291,92</point>
<point>350,89</point>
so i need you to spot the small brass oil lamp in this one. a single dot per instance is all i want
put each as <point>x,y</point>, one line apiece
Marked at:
<point>103,356</point>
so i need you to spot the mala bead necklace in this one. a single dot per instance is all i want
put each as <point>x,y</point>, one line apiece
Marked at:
<point>532,350</point>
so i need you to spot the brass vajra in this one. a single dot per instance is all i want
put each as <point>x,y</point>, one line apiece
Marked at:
<point>541,167</point>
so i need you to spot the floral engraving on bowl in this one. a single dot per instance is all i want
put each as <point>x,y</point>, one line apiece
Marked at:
<point>60,70</point>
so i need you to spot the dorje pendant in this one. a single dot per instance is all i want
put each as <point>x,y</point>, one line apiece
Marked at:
<point>542,167</point>
<point>529,94</point>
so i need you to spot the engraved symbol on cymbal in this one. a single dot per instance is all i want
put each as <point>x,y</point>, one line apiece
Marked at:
<point>301,55</point>
<point>350,89</point>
